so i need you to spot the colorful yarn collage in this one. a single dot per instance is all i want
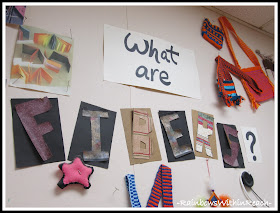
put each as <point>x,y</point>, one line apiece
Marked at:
<point>256,83</point>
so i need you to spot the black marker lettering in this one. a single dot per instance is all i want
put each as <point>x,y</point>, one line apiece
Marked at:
<point>135,46</point>
<point>164,56</point>
<point>145,73</point>
<point>161,78</point>
<point>152,51</point>
<point>171,54</point>
<point>152,73</point>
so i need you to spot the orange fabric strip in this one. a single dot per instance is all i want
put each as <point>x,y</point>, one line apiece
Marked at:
<point>227,26</point>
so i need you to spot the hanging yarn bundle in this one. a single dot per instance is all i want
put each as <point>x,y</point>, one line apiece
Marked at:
<point>214,200</point>
<point>223,200</point>
<point>210,179</point>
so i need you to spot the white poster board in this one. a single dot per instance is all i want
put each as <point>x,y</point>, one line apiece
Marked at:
<point>137,59</point>
<point>252,144</point>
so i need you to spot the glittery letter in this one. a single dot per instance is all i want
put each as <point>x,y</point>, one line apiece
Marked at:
<point>95,154</point>
<point>172,135</point>
<point>26,112</point>
<point>234,146</point>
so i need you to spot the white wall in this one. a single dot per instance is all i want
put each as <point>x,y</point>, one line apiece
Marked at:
<point>36,186</point>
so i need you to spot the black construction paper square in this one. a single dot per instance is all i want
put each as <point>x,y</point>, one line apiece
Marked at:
<point>225,148</point>
<point>180,123</point>
<point>25,153</point>
<point>81,140</point>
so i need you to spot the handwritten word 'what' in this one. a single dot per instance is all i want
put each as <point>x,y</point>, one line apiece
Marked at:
<point>167,55</point>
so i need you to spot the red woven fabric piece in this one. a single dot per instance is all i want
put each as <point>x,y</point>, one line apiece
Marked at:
<point>257,74</point>
<point>26,112</point>
<point>226,67</point>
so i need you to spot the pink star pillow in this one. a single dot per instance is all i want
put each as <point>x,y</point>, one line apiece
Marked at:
<point>75,172</point>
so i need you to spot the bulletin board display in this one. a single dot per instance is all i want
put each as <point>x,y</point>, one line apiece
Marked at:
<point>36,186</point>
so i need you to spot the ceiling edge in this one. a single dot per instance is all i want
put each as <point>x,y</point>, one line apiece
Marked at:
<point>239,20</point>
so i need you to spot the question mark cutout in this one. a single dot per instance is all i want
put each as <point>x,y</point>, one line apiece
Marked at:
<point>248,134</point>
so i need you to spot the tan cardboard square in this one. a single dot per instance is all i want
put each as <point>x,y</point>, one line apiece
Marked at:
<point>211,138</point>
<point>127,125</point>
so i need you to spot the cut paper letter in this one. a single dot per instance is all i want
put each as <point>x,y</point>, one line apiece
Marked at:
<point>140,135</point>
<point>93,134</point>
<point>142,144</point>
<point>37,132</point>
<point>176,136</point>
<point>252,144</point>
<point>26,112</point>
<point>95,154</point>
<point>149,62</point>
<point>230,146</point>
<point>204,135</point>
